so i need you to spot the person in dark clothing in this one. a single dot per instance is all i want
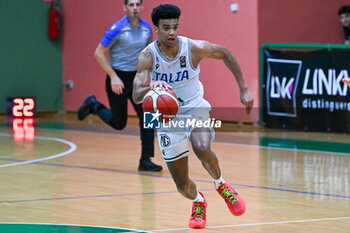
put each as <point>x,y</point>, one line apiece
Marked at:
<point>344,17</point>
<point>124,40</point>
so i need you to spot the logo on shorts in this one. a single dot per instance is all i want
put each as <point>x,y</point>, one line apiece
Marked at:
<point>151,120</point>
<point>164,140</point>
<point>183,61</point>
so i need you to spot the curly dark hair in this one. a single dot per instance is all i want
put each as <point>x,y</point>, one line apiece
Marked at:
<point>166,11</point>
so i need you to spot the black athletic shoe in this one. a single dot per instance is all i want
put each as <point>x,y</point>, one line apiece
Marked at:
<point>84,110</point>
<point>148,165</point>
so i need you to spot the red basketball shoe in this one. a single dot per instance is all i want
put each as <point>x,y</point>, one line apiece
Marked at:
<point>198,218</point>
<point>235,202</point>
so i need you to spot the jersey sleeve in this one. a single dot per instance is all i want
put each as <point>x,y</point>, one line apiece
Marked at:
<point>146,24</point>
<point>113,32</point>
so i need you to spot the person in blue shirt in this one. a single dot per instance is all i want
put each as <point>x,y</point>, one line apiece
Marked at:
<point>123,41</point>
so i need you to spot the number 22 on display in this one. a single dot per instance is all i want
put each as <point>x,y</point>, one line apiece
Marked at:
<point>23,107</point>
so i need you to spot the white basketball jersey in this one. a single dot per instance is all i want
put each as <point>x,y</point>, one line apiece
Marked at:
<point>179,73</point>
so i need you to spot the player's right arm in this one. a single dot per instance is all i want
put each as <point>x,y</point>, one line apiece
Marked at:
<point>142,77</point>
<point>100,56</point>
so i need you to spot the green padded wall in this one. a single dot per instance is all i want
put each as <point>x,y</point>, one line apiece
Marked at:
<point>30,64</point>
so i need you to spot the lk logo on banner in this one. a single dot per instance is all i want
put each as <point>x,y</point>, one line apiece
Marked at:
<point>282,81</point>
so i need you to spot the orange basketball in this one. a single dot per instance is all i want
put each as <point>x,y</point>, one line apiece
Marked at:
<point>164,101</point>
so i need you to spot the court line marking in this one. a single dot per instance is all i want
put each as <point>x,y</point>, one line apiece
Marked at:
<point>72,148</point>
<point>157,193</point>
<point>197,180</point>
<point>107,170</point>
<point>75,225</point>
<point>260,223</point>
<point>214,142</point>
<point>279,148</point>
<point>93,196</point>
<point>240,186</point>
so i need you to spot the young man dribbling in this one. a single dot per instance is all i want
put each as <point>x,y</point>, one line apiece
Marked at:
<point>176,56</point>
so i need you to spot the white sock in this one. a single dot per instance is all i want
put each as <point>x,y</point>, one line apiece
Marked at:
<point>199,198</point>
<point>219,182</point>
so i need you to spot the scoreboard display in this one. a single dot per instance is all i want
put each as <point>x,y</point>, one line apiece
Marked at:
<point>20,107</point>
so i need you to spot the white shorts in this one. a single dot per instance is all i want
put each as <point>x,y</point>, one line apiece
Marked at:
<point>173,137</point>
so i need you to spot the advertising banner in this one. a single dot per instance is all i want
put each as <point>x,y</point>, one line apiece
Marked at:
<point>302,89</point>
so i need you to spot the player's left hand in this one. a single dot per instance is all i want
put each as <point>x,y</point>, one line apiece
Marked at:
<point>161,85</point>
<point>248,100</point>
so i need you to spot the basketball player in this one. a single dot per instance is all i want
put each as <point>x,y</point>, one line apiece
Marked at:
<point>172,62</point>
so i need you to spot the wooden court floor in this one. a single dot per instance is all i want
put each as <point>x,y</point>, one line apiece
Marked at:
<point>62,175</point>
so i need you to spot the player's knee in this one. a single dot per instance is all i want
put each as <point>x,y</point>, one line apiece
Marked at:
<point>201,149</point>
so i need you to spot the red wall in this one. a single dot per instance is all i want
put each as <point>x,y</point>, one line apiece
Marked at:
<point>300,21</point>
<point>84,25</point>
<point>256,22</point>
